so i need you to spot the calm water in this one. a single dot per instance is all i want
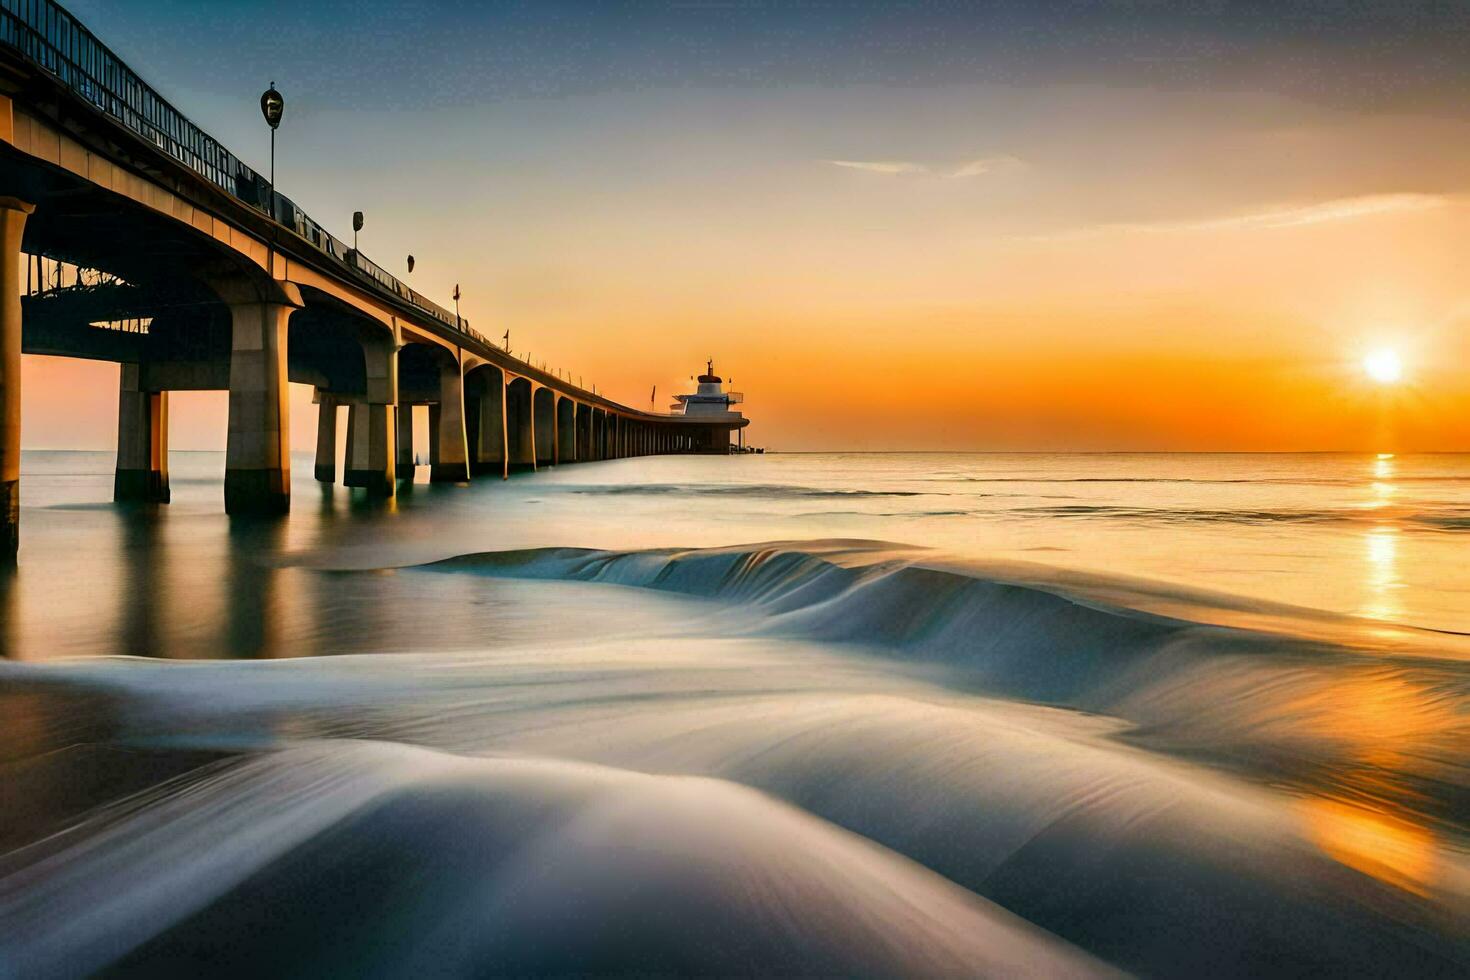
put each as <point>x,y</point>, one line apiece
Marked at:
<point>810,713</point>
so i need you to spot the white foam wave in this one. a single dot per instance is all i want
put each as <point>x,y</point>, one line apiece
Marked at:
<point>492,866</point>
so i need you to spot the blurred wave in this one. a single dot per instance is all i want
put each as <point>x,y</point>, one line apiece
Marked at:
<point>373,859</point>
<point>836,757</point>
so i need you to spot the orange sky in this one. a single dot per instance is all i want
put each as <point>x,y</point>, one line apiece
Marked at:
<point>1095,264</point>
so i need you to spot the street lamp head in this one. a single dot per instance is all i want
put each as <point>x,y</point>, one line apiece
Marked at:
<point>272,106</point>
<point>410,263</point>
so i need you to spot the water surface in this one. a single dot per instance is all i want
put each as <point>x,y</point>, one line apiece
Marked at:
<point>795,713</point>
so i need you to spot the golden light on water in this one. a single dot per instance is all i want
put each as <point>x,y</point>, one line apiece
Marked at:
<point>1382,546</point>
<point>1376,843</point>
<point>1383,579</point>
<point>1384,366</point>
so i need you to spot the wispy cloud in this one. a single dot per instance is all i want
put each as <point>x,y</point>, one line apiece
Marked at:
<point>1282,216</point>
<point>890,167</point>
<point>895,168</point>
<point>986,165</point>
<point>1339,209</point>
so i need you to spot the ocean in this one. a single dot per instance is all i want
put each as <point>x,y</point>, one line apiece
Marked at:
<point>859,714</point>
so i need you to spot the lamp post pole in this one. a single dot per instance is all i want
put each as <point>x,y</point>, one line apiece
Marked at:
<point>272,107</point>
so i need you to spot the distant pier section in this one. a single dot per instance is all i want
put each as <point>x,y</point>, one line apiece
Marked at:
<point>130,235</point>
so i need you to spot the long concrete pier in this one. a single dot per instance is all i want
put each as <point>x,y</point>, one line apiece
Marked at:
<point>128,234</point>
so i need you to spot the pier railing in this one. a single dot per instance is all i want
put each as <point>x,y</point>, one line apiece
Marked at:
<point>49,37</point>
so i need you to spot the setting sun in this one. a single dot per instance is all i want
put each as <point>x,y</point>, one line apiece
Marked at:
<point>1384,366</point>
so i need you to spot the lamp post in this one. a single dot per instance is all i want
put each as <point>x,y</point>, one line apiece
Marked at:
<point>272,107</point>
<point>356,227</point>
<point>457,325</point>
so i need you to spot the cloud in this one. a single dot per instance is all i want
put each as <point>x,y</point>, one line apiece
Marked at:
<point>985,165</point>
<point>882,166</point>
<point>1277,217</point>
<point>894,168</point>
<point>1339,209</point>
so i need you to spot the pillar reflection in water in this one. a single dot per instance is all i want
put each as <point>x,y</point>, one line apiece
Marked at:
<point>254,609</point>
<point>140,594</point>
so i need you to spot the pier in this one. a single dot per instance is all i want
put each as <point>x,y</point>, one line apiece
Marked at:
<point>128,234</point>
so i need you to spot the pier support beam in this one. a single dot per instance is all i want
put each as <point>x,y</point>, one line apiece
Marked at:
<point>520,425</point>
<point>13,214</point>
<point>326,438</point>
<point>403,418</point>
<point>142,441</point>
<point>490,455</point>
<point>566,430</point>
<point>258,452</point>
<point>370,449</point>
<point>450,460</point>
<point>543,414</point>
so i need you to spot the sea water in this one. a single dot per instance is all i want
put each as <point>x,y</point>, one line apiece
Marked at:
<point>826,713</point>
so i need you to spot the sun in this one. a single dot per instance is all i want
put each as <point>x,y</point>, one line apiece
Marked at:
<point>1384,366</point>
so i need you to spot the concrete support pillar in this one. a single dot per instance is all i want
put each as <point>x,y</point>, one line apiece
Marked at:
<point>527,430</point>
<point>450,459</point>
<point>370,448</point>
<point>13,214</point>
<point>326,439</point>
<point>543,424</point>
<point>142,441</point>
<point>403,418</point>
<point>490,452</point>
<point>258,453</point>
<point>520,424</point>
<point>566,430</point>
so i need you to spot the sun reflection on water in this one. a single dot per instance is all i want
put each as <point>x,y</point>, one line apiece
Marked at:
<point>1378,844</point>
<point>1381,584</point>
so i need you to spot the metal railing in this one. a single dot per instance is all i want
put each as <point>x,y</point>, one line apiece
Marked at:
<point>55,41</point>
